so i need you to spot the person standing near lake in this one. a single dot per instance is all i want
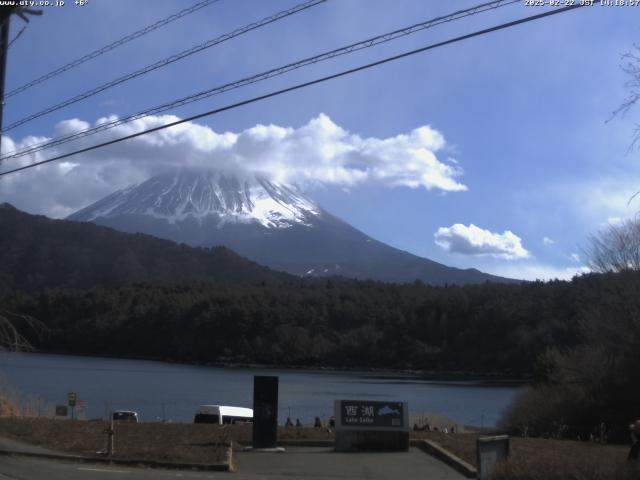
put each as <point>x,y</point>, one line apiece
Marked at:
<point>634,453</point>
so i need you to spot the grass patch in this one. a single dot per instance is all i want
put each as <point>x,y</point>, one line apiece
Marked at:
<point>546,459</point>
<point>175,442</point>
<point>8,406</point>
<point>172,442</point>
<point>562,468</point>
<point>13,403</point>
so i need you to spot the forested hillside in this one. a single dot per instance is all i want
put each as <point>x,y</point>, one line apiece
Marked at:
<point>37,252</point>
<point>490,327</point>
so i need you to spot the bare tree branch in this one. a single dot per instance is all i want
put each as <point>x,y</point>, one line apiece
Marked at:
<point>616,248</point>
<point>13,328</point>
<point>630,66</point>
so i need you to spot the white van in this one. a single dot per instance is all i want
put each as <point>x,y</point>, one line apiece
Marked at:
<point>223,415</point>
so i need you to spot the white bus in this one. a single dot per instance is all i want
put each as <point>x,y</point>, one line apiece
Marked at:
<point>223,415</point>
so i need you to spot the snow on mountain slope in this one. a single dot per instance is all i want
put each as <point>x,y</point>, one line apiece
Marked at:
<point>192,194</point>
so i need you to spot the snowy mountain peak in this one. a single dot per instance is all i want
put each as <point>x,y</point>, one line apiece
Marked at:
<point>272,224</point>
<point>227,198</point>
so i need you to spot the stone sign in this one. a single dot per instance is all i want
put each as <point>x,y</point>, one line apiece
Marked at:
<point>357,413</point>
<point>491,451</point>
<point>367,425</point>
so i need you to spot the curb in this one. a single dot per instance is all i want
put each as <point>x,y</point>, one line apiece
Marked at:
<point>292,442</point>
<point>218,467</point>
<point>305,443</point>
<point>445,456</point>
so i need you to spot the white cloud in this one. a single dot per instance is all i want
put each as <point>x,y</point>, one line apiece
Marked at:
<point>319,151</point>
<point>575,257</point>
<point>613,221</point>
<point>548,241</point>
<point>536,271</point>
<point>473,240</point>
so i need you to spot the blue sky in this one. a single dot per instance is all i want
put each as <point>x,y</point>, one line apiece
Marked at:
<point>522,111</point>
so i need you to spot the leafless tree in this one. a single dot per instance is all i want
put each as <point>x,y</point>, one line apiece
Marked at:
<point>13,328</point>
<point>615,248</point>
<point>631,66</point>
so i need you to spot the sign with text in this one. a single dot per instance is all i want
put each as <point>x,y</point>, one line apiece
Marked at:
<point>367,414</point>
<point>61,411</point>
<point>71,397</point>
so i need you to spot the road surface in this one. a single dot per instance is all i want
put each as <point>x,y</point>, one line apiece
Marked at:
<point>296,463</point>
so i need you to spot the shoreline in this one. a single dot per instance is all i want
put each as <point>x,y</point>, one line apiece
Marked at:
<point>497,378</point>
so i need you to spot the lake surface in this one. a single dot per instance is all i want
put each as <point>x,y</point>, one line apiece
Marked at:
<point>174,391</point>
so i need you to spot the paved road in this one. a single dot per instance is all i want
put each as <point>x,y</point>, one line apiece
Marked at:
<point>25,468</point>
<point>296,463</point>
<point>325,464</point>
<point>18,446</point>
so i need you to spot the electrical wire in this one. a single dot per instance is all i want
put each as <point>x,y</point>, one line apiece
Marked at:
<point>111,46</point>
<point>370,42</point>
<point>17,36</point>
<point>167,61</point>
<point>300,86</point>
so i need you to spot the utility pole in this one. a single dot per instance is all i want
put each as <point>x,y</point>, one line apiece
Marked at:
<point>110,436</point>
<point>5,20</point>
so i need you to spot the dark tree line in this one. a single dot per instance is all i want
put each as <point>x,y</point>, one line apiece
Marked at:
<point>477,328</point>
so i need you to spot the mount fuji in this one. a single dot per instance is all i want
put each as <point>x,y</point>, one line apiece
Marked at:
<point>271,223</point>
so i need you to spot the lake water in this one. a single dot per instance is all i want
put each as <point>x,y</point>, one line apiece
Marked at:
<point>157,389</point>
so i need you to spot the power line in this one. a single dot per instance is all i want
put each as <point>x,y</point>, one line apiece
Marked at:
<point>111,46</point>
<point>300,86</point>
<point>16,37</point>
<point>370,42</point>
<point>167,61</point>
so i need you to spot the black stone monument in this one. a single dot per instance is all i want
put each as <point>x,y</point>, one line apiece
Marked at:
<point>265,412</point>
